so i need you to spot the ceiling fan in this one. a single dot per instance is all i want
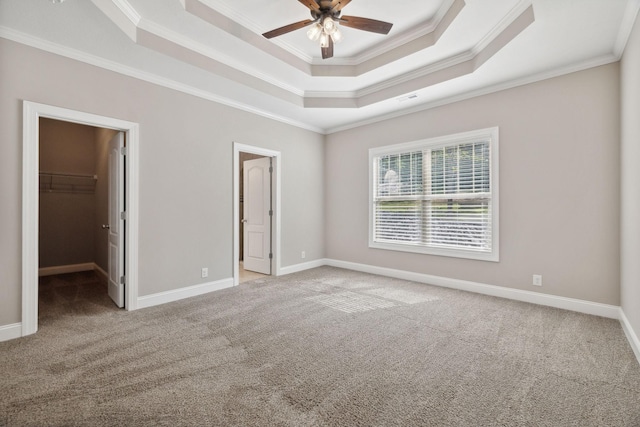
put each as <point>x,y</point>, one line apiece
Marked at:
<point>326,16</point>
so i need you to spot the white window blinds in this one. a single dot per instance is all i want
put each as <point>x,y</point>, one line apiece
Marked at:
<point>434,196</point>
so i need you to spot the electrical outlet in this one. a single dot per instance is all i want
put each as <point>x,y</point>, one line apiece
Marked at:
<point>303,255</point>
<point>205,272</point>
<point>537,280</point>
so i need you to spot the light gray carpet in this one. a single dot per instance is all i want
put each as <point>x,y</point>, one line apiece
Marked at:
<point>319,348</point>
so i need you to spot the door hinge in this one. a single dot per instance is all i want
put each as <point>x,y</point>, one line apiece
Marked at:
<point>123,216</point>
<point>271,213</point>
<point>270,169</point>
<point>122,280</point>
<point>123,151</point>
<point>270,256</point>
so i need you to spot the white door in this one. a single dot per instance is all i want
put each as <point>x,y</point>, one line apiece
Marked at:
<point>256,218</point>
<point>116,223</point>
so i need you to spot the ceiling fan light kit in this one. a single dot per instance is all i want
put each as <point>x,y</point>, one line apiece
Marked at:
<point>324,25</point>
<point>314,32</point>
<point>328,29</point>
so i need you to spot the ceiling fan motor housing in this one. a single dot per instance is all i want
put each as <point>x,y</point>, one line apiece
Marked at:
<point>318,15</point>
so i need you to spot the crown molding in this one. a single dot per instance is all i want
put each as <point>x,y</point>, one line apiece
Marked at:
<point>436,24</point>
<point>159,38</point>
<point>438,72</point>
<point>430,31</point>
<point>626,26</point>
<point>166,34</point>
<point>522,8</point>
<point>545,75</point>
<point>122,14</point>
<point>47,46</point>
<point>128,11</point>
<point>77,55</point>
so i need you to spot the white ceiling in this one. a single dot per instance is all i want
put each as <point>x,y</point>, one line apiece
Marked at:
<point>438,51</point>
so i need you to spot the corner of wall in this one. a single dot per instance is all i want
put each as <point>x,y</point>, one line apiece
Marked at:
<point>632,337</point>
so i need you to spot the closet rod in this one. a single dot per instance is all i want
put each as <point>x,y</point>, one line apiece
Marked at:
<point>68,175</point>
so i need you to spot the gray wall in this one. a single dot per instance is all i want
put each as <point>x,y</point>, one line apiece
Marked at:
<point>559,186</point>
<point>559,211</point>
<point>186,170</point>
<point>67,220</point>
<point>630,180</point>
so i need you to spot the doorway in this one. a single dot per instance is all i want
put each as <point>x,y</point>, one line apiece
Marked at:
<point>80,199</point>
<point>256,210</point>
<point>128,252</point>
<point>256,235</point>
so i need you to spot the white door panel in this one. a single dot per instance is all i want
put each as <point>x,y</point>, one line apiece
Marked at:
<point>256,218</point>
<point>115,227</point>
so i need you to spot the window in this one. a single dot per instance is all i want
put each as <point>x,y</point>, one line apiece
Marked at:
<point>437,196</point>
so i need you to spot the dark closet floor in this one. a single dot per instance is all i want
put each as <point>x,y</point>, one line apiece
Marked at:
<point>82,293</point>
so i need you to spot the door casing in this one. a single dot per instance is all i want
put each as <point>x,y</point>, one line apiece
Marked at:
<point>31,114</point>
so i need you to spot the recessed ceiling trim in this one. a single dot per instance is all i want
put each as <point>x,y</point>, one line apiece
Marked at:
<point>177,51</point>
<point>430,69</point>
<point>366,97</point>
<point>222,16</point>
<point>431,30</point>
<point>418,31</point>
<point>163,40</point>
<point>221,21</point>
<point>407,46</point>
<point>116,67</point>
<point>128,10</point>
<point>506,35</point>
<point>162,33</point>
<point>628,20</point>
<point>447,69</point>
<point>562,37</point>
<point>545,75</point>
<point>122,14</point>
<point>524,8</point>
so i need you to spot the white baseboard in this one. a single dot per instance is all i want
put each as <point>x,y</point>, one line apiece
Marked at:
<point>632,337</point>
<point>587,307</point>
<point>302,266</point>
<point>9,332</point>
<point>63,269</point>
<point>178,294</point>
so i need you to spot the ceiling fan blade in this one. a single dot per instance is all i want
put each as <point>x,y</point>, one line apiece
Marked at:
<point>366,24</point>
<point>327,52</point>
<point>337,5</point>
<point>311,4</point>
<point>287,28</point>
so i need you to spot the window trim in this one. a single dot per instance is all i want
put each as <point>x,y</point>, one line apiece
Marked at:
<point>492,134</point>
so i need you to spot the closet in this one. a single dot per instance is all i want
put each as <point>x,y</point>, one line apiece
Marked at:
<point>73,191</point>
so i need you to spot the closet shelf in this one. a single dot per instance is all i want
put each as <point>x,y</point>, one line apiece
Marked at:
<point>52,182</point>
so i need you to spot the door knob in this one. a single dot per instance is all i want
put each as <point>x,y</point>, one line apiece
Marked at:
<point>105,226</point>
<point>244,220</point>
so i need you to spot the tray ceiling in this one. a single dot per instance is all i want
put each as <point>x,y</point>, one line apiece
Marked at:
<point>437,51</point>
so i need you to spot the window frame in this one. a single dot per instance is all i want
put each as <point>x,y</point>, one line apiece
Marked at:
<point>490,134</point>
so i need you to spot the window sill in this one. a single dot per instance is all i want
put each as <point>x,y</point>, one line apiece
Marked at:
<point>453,253</point>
